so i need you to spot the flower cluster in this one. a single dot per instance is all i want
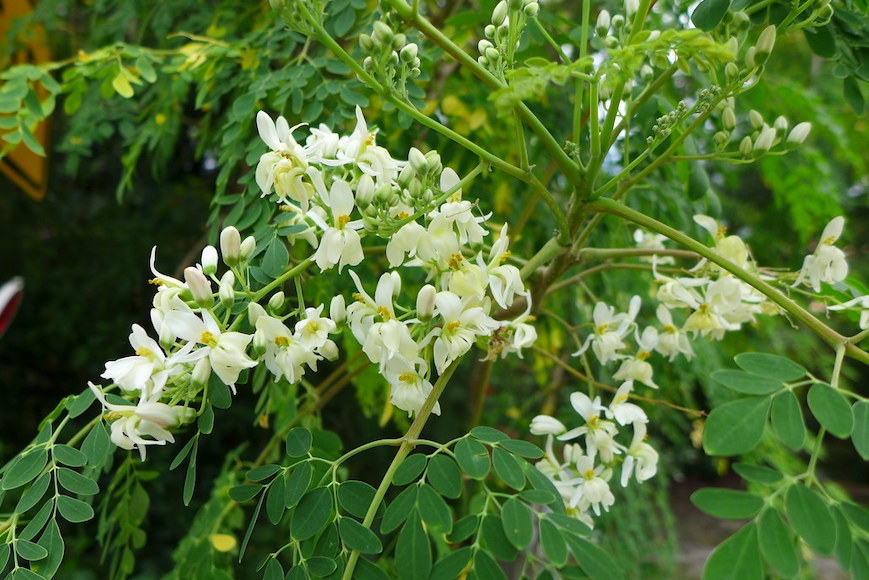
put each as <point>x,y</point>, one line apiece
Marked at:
<point>339,189</point>
<point>583,473</point>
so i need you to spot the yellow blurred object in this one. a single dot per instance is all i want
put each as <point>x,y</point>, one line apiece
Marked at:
<point>22,166</point>
<point>223,542</point>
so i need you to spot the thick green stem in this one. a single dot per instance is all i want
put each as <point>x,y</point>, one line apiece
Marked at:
<point>407,445</point>
<point>830,336</point>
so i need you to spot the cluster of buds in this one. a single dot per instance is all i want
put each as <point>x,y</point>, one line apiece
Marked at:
<point>389,56</point>
<point>502,36</point>
<point>765,138</point>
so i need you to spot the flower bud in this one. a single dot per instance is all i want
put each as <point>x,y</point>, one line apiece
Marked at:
<point>728,119</point>
<point>720,138</point>
<point>254,311</point>
<point>226,291</point>
<point>799,133</point>
<point>745,146</point>
<point>201,373</point>
<point>199,286</point>
<point>382,34</point>
<point>741,21</point>
<point>618,21</point>
<point>731,71</point>
<point>433,160</point>
<point>329,350</point>
<point>230,242</point>
<point>631,7</point>
<point>603,24</point>
<point>259,344</point>
<point>764,141</point>
<point>364,192</point>
<point>611,42</point>
<point>337,309</point>
<point>499,14</point>
<point>366,43</point>
<point>531,9</point>
<point>492,54</point>
<point>408,53</point>
<point>765,44</point>
<point>749,57</point>
<point>546,425</point>
<point>277,5</point>
<point>647,73</point>
<point>276,302</point>
<point>416,159</point>
<point>209,260</point>
<point>399,41</point>
<point>425,302</point>
<point>756,119</point>
<point>247,248</point>
<point>368,63</point>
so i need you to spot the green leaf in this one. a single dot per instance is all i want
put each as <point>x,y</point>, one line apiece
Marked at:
<point>297,484</point>
<point>821,40</point>
<point>594,560</point>
<point>97,445</point>
<point>75,482</point>
<point>185,451</point>
<point>263,472</point>
<point>770,366</point>
<point>273,571</point>
<point>736,558</point>
<point>844,546</point>
<point>831,410</point>
<point>486,568</point>
<point>244,492</point>
<point>811,518</point>
<point>52,541</point>
<point>787,420</point>
<point>190,478</point>
<point>410,469</point>
<point>522,448</point>
<point>80,403</point>
<point>33,494</point>
<point>698,181</point>
<point>746,383</point>
<point>122,85</point>
<point>218,393</point>
<point>709,13</point>
<point>856,514</point>
<point>30,551</point>
<point>444,476</point>
<point>398,511</point>
<point>250,526</point>
<point>357,537</point>
<point>312,514</point>
<point>860,433</point>
<point>38,521</point>
<point>464,528</point>
<point>473,458</point>
<point>493,538</point>
<point>276,258</point>
<point>777,545</point>
<point>727,503</point>
<point>356,497</point>
<point>569,524</point>
<point>542,483</point>
<point>508,468</point>
<point>853,95</point>
<point>365,570</point>
<point>299,441</point>
<point>413,550</point>
<point>518,524</point>
<point>5,552</point>
<point>25,468</point>
<point>25,574</point>
<point>860,561</point>
<point>74,510</point>
<point>275,501</point>
<point>451,566</point>
<point>31,141</point>
<point>488,434</point>
<point>554,545</point>
<point>205,422</point>
<point>433,510</point>
<point>537,496</point>
<point>757,473</point>
<point>735,427</point>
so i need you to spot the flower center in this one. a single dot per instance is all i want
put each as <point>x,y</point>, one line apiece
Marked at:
<point>342,221</point>
<point>406,378</point>
<point>456,261</point>
<point>282,341</point>
<point>208,339</point>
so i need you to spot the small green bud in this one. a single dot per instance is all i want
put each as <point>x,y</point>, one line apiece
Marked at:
<point>756,119</point>
<point>603,24</point>
<point>409,52</point>
<point>728,119</point>
<point>611,42</point>
<point>254,311</point>
<point>276,302</point>
<point>226,290</point>
<point>499,14</point>
<point>492,54</point>
<point>368,63</point>
<point>731,71</point>
<point>383,34</point>
<point>433,159</point>
<point>741,21</point>
<point>398,41</point>
<point>631,7</point>
<point>489,31</point>
<point>366,43</point>
<point>765,44</point>
<point>799,133</point>
<point>781,126</point>
<point>618,21</point>
<point>209,260</point>
<point>201,373</point>
<point>531,9</point>
<point>230,242</point>
<point>417,160</point>
<point>199,286</point>
<point>647,73</point>
<point>745,146</point>
<point>721,138</point>
<point>364,191</point>
<point>764,141</point>
<point>749,57</point>
<point>247,248</point>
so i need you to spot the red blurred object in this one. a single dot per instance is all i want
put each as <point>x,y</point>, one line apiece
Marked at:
<point>10,298</point>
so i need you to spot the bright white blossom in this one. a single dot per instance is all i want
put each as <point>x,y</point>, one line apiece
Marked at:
<point>861,302</point>
<point>827,263</point>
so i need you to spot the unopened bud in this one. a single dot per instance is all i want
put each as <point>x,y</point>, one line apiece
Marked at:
<point>368,63</point>
<point>201,373</point>
<point>329,350</point>
<point>399,41</point>
<point>720,138</point>
<point>337,309</point>
<point>499,14</point>
<point>745,146</point>
<point>247,248</point>
<point>199,286</point>
<point>408,53</point>
<point>741,21</point>
<point>254,311</point>
<point>603,24</point>
<point>531,9</point>
<point>756,119</point>
<point>382,33</point>
<point>728,119</point>
<point>611,42</point>
<point>276,302</point>
<point>425,302</point>
<point>731,71</point>
<point>631,7</point>
<point>259,344</point>
<point>366,43</point>
<point>433,161</point>
<point>209,260</point>
<point>416,159</point>
<point>647,73</point>
<point>492,54</point>
<point>364,191</point>
<point>799,133</point>
<point>489,31</point>
<point>226,291</point>
<point>749,57</point>
<point>765,44</point>
<point>781,126</point>
<point>764,141</point>
<point>230,242</point>
<point>618,21</point>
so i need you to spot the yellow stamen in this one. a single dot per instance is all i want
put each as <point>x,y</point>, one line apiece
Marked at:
<point>453,325</point>
<point>208,339</point>
<point>643,355</point>
<point>589,474</point>
<point>602,328</point>
<point>384,312</point>
<point>670,329</point>
<point>342,221</point>
<point>282,341</point>
<point>505,256</point>
<point>406,378</point>
<point>456,261</point>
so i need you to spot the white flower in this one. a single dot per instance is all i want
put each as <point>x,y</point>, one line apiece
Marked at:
<point>647,241</point>
<point>671,342</point>
<point>340,243</point>
<point>284,166</point>
<point>827,263</point>
<point>225,350</point>
<point>405,242</point>
<point>149,418</point>
<point>361,313</point>
<point>641,459</point>
<point>313,331</point>
<point>461,326</point>
<point>609,330</point>
<point>622,411</point>
<point>595,490</point>
<point>388,339</point>
<point>546,425</point>
<point>285,355</point>
<point>599,433</point>
<point>410,387</point>
<point>505,280</point>
<point>637,368</point>
<point>863,303</point>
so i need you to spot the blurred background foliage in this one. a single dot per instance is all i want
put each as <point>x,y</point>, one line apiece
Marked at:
<point>152,142</point>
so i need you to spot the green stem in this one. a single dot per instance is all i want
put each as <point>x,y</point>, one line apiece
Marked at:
<point>407,446</point>
<point>276,283</point>
<point>580,83</point>
<point>550,250</point>
<point>830,336</point>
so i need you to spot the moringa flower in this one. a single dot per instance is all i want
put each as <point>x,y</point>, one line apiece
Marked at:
<point>827,263</point>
